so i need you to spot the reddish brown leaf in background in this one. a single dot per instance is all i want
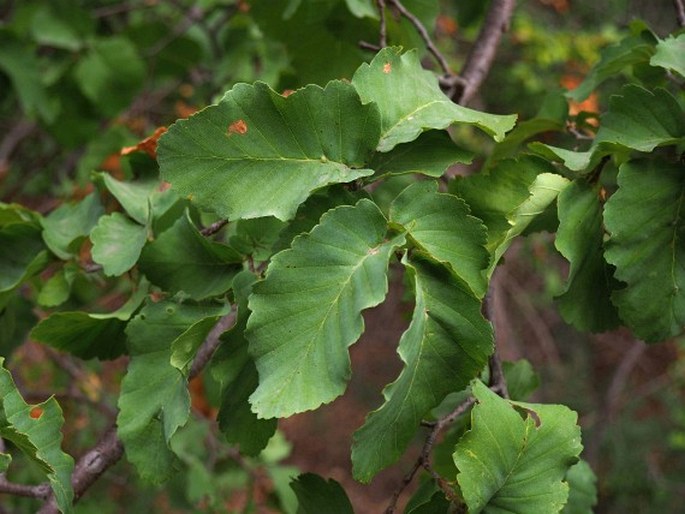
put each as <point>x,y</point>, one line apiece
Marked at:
<point>287,92</point>
<point>237,127</point>
<point>36,413</point>
<point>147,145</point>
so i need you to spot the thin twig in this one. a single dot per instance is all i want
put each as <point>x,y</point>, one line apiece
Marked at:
<point>110,449</point>
<point>483,52</point>
<point>383,29</point>
<point>14,136</point>
<point>498,382</point>
<point>41,491</point>
<point>680,11</point>
<point>424,35</point>
<point>213,228</point>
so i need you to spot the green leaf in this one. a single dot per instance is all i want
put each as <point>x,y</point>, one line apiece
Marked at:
<point>315,495</point>
<point>154,400</point>
<point>410,100</point>
<point>134,197</point>
<point>494,195</point>
<point>185,346</point>
<point>182,259</point>
<point>521,379</point>
<point>543,191</point>
<point>575,161</point>
<point>70,222</point>
<point>257,153</point>
<point>582,489</point>
<point>585,302</point>
<point>89,335</point>
<point>510,463</point>
<point>428,499</point>
<point>670,54</point>
<point>634,49</point>
<point>257,237</point>
<point>307,311</point>
<point>439,224</point>
<point>235,370</point>
<point>56,289</point>
<point>22,254</point>
<point>110,74</point>
<point>23,69</point>
<point>36,431</point>
<point>645,221</point>
<point>362,8</point>
<point>431,154</point>
<point>446,345</point>
<point>117,243</point>
<point>642,120</point>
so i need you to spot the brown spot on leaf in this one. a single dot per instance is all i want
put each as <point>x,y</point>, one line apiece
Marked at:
<point>237,127</point>
<point>387,68</point>
<point>36,413</point>
<point>287,92</point>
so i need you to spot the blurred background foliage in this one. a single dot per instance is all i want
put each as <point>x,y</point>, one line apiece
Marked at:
<point>80,80</point>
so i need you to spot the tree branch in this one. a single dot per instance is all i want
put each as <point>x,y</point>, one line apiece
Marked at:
<point>424,35</point>
<point>110,449</point>
<point>482,54</point>
<point>680,11</point>
<point>41,491</point>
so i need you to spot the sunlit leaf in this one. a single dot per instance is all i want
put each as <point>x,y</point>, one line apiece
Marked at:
<point>257,153</point>
<point>307,311</point>
<point>670,54</point>
<point>410,100</point>
<point>510,463</point>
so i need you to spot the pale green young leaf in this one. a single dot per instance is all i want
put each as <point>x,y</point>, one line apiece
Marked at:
<point>585,302</point>
<point>362,8</point>
<point>117,243</point>
<point>90,335</point>
<point>235,371</point>
<point>446,345</point>
<point>521,379</point>
<point>543,191</point>
<point>154,400</point>
<point>257,153</point>
<point>182,259</point>
<point>670,54</point>
<point>575,161</point>
<point>410,100</point>
<point>440,225</point>
<point>56,289</point>
<point>68,223</point>
<point>315,495</point>
<point>510,463</point>
<point>37,431</point>
<point>430,154</point>
<point>307,311</point>
<point>645,219</point>
<point>582,494</point>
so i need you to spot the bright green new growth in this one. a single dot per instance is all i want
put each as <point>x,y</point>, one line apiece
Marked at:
<point>516,455</point>
<point>307,311</point>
